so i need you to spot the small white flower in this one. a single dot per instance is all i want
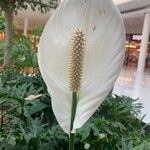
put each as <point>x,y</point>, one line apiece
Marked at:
<point>87,146</point>
<point>73,131</point>
<point>113,95</point>
<point>32,97</point>
<point>102,135</point>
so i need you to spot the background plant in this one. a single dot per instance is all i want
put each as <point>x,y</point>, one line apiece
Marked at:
<point>28,121</point>
<point>9,8</point>
<point>2,23</point>
<point>24,54</point>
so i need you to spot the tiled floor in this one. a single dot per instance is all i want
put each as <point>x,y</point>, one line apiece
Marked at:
<point>135,85</point>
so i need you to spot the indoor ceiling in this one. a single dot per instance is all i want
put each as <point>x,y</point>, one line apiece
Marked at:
<point>133,14</point>
<point>132,11</point>
<point>134,5</point>
<point>134,24</point>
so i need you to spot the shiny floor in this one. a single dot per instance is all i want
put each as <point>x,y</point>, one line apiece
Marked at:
<point>136,85</point>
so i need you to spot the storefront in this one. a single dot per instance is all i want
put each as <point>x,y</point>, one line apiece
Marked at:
<point>133,43</point>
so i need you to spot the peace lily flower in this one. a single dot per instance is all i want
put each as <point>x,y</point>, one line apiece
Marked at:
<point>96,28</point>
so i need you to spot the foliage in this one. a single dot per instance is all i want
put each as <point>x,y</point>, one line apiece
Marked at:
<point>15,5</point>
<point>143,146</point>
<point>2,23</point>
<point>37,31</point>
<point>115,125</point>
<point>1,51</point>
<point>36,34</point>
<point>28,123</point>
<point>23,53</point>
<point>9,7</point>
<point>20,116</point>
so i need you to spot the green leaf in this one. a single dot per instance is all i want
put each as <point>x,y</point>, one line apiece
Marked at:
<point>17,147</point>
<point>36,107</point>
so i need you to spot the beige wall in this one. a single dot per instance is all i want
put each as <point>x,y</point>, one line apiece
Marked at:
<point>34,18</point>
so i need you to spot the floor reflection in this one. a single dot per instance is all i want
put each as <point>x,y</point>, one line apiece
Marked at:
<point>135,85</point>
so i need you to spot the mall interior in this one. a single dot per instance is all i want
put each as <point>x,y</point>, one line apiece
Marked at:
<point>134,79</point>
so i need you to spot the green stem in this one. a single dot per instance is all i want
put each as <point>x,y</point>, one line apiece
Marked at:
<point>73,112</point>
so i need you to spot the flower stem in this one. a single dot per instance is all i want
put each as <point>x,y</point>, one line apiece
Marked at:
<point>73,112</point>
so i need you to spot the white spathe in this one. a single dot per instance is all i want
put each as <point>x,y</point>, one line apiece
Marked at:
<point>105,42</point>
